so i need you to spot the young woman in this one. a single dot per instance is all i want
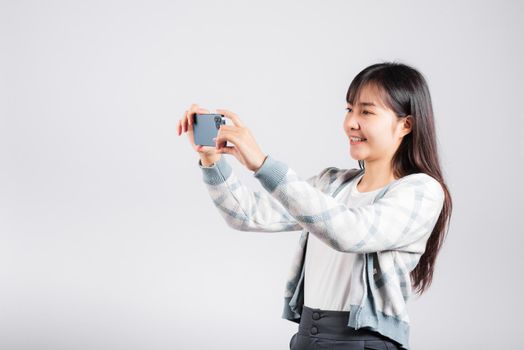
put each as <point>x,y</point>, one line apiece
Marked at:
<point>369,235</point>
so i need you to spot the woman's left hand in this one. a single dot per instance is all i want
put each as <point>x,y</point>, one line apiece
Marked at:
<point>245,148</point>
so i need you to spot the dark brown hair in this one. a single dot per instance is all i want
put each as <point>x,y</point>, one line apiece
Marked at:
<point>404,90</point>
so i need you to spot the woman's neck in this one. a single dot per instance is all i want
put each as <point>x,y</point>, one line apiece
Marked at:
<point>376,175</point>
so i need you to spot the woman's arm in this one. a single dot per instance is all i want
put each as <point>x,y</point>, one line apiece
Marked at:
<point>244,209</point>
<point>401,220</point>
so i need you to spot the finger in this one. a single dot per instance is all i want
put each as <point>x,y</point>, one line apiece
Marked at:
<point>199,110</point>
<point>230,115</point>
<point>229,128</point>
<point>226,150</point>
<point>222,142</point>
<point>195,109</point>
<point>185,120</point>
<point>181,123</point>
<point>224,136</point>
<point>189,117</point>
<point>221,139</point>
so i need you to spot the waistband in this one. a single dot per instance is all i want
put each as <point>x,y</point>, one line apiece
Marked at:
<point>331,324</point>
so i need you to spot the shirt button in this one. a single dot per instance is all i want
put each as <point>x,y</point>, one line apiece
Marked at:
<point>314,330</point>
<point>316,315</point>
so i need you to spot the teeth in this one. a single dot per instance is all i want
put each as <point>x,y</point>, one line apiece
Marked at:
<point>357,139</point>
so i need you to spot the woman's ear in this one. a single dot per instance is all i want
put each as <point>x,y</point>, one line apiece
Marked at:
<point>406,125</point>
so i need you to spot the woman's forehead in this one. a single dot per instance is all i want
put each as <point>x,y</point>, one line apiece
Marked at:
<point>369,96</point>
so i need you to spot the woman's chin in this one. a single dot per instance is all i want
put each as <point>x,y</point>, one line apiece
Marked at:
<point>356,155</point>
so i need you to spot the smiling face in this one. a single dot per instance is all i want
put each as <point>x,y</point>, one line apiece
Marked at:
<point>369,118</point>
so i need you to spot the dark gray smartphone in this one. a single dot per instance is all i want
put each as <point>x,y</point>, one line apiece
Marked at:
<point>205,128</point>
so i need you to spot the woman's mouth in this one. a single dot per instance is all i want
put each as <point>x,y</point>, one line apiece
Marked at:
<point>356,140</point>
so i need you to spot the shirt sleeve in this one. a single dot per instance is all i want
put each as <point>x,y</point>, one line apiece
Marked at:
<point>402,219</point>
<point>245,209</point>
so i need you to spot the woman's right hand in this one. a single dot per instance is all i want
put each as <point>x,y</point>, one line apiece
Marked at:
<point>186,125</point>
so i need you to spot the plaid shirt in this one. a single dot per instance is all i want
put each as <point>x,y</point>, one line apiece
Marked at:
<point>389,235</point>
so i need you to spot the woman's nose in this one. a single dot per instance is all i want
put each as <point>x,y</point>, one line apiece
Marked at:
<point>350,123</point>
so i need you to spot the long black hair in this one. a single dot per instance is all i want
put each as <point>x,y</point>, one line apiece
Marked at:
<point>404,90</point>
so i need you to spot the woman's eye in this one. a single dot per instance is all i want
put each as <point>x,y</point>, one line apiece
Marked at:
<point>363,112</point>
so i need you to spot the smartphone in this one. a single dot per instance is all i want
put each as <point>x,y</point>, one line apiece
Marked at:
<point>205,128</point>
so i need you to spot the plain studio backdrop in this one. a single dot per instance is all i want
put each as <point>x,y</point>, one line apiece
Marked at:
<point>108,237</point>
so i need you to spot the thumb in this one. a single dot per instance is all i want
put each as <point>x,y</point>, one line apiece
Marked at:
<point>226,150</point>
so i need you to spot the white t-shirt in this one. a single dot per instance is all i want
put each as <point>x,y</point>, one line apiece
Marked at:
<point>327,279</point>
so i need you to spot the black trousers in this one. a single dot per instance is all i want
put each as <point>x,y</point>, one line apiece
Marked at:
<point>328,330</point>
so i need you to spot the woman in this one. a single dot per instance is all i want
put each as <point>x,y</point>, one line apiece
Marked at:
<point>375,231</point>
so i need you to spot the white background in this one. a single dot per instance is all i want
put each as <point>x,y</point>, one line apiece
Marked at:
<point>108,237</point>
